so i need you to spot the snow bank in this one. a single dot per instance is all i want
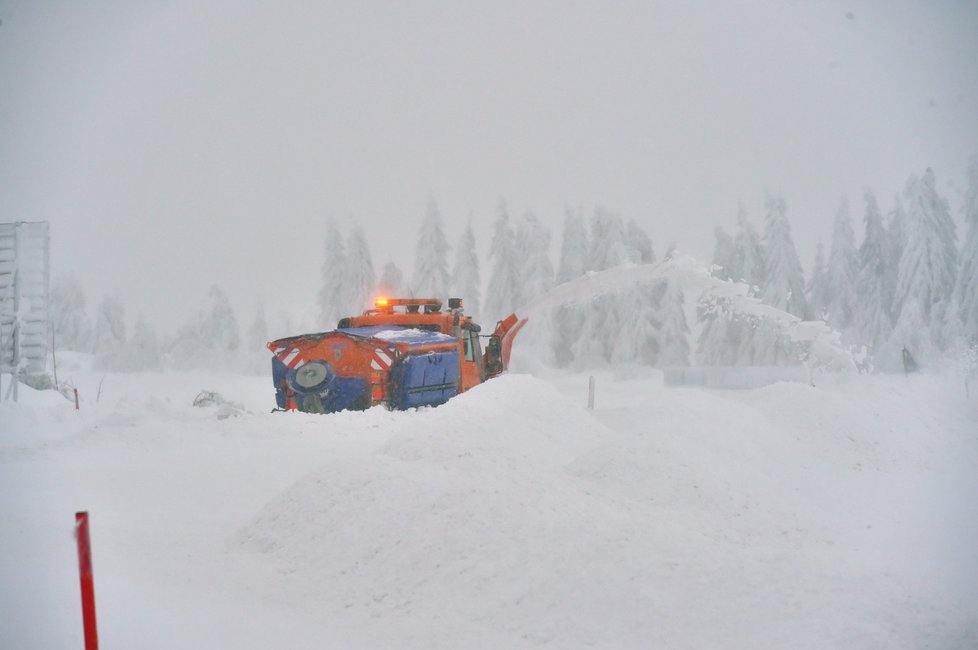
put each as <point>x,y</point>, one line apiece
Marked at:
<point>465,516</point>
<point>794,516</point>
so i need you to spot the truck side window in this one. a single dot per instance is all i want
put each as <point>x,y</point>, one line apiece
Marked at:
<point>467,337</point>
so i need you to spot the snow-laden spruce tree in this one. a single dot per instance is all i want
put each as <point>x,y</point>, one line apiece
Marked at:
<point>600,331</point>
<point>896,235</point>
<point>431,278</point>
<point>966,289</point>
<point>66,309</point>
<point>466,283</point>
<point>639,328</point>
<point>211,338</point>
<point>533,252</point>
<point>144,348</point>
<point>573,247</point>
<point>568,323</point>
<point>358,274</point>
<point>639,244</point>
<point>505,290</point>
<point>842,271</point>
<point>608,247</point>
<point>819,289</point>
<point>927,269</point>
<point>784,286</point>
<point>332,292</point>
<point>874,284</point>
<point>723,335</point>
<point>391,283</point>
<point>674,330</point>
<point>569,319</point>
<point>217,326</point>
<point>748,256</point>
<point>110,335</point>
<point>723,254</point>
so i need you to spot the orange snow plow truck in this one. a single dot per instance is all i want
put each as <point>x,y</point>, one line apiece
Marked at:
<point>404,353</point>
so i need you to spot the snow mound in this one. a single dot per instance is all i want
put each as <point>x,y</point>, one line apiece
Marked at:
<point>466,512</point>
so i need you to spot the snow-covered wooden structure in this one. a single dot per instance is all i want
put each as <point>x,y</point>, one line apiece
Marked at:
<point>24,280</point>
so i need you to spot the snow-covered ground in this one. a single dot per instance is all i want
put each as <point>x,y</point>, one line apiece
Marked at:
<point>838,516</point>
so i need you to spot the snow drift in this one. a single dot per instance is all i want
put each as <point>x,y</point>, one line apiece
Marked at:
<point>789,516</point>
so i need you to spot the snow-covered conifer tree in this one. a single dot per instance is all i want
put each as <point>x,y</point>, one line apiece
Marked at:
<point>600,331</point>
<point>748,255</point>
<point>144,348</point>
<point>359,278</point>
<point>785,284</point>
<point>466,283</point>
<point>673,336</point>
<point>723,254</point>
<point>217,327</point>
<point>842,271</point>
<point>874,284</point>
<point>639,244</point>
<point>966,289</point>
<point>66,308</point>
<point>431,257</point>
<point>505,292</point>
<point>573,247</point>
<point>638,322</point>
<point>722,333</point>
<point>607,242</point>
<point>332,292</point>
<point>110,334</point>
<point>533,252</point>
<point>391,283</point>
<point>928,266</point>
<point>212,337</point>
<point>819,289</point>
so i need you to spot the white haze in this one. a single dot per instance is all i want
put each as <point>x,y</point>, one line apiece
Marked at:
<point>173,146</point>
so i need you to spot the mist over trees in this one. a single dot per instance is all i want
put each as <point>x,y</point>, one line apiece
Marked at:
<point>211,338</point>
<point>905,284</point>
<point>431,279</point>
<point>391,281</point>
<point>110,342</point>
<point>466,283</point>
<point>784,285</point>
<point>966,288</point>
<point>505,285</point>
<point>69,320</point>
<point>359,282</point>
<point>332,292</point>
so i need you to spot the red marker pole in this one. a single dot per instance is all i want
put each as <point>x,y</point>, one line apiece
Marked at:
<point>87,581</point>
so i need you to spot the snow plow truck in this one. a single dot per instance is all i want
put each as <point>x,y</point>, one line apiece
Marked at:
<point>403,353</point>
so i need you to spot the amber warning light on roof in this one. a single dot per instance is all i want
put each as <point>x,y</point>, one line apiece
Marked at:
<point>386,303</point>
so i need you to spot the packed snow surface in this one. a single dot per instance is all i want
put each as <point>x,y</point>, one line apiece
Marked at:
<point>838,516</point>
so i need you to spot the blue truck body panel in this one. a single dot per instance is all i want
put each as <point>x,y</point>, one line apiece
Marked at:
<point>426,379</point>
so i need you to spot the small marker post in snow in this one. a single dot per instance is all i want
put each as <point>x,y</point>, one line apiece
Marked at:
<point>76,399</point>
<point>590,392</point>
<point>87,580</point>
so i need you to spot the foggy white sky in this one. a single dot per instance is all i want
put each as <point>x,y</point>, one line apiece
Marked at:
<point>172,145</point>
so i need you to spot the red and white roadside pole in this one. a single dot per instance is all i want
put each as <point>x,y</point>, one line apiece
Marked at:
<point>87,580</point>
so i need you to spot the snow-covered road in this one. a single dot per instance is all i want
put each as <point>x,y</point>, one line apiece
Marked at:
<point>841,516</point>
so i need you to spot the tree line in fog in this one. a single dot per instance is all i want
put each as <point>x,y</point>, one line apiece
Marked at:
<point>908,283</point>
